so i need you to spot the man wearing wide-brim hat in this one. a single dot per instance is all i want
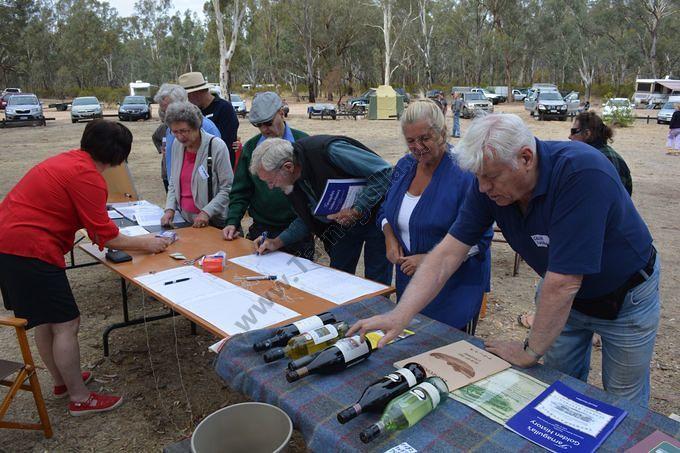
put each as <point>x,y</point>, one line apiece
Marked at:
<point>220,111</point>
<point>270,208</point>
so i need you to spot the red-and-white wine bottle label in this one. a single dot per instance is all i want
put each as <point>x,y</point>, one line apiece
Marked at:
<point>352,348</point>
<point>308,324</point>
<point>325,333</point>
<point>426,388</point>
<point>408,375</point>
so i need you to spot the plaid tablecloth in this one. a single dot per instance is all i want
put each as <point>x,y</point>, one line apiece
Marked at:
<point>313,402</point>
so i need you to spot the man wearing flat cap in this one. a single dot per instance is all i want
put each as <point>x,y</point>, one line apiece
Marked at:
<point>270,208</point>
<point>220,111</point>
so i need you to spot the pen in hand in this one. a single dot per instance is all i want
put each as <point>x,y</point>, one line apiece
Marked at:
<point>263,238</point>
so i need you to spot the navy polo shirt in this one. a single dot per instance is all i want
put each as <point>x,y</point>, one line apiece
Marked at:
<point>580,220</point>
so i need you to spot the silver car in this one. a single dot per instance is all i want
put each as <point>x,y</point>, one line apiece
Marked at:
<point>666,112</point>
<point>86,108</point>
<point>239,105</point>
<point>24,107</point>
<point>546,104</point>
<point>474,103</point>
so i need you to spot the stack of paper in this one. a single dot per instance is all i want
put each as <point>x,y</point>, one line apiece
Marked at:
<point>144,213</point>
<point>226,306</point>
<point>327,283</point>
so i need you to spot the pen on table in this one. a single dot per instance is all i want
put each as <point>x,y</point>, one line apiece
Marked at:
<point>261,277</point>
<point>179,280</point>
<point>263,238</point>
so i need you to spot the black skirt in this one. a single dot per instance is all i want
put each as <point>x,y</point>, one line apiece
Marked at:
<point>36,291</point>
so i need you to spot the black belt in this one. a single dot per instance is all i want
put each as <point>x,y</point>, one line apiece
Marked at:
<point>609,305</point>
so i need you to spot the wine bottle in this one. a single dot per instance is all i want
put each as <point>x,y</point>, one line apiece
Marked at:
<point>309,342</point>
<point>285,333</point>
<point>302,361</point>
<point>378,394</point>
<point>343,354</point>
<point>408,409</point>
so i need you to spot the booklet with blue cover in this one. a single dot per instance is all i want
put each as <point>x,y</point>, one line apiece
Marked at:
<point>562,419</point>
<point>338,195</point>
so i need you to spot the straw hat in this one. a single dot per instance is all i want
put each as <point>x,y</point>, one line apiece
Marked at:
<point>193,81</point>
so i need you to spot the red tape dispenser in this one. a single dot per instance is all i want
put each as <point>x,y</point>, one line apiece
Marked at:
<point>214,263</point>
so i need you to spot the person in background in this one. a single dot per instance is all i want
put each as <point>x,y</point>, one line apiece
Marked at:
<point>674,132</point>
<point>427,190</point>
<point>166,95</point>
<point>160,142</point>
<point>39,218</point>
<point>201,172</point>
<point>457,107</point>
<point>270,208</point>
<point>301,170</point>
<point>444,103</point>
<point>220,111</point>
<point>563,208</point>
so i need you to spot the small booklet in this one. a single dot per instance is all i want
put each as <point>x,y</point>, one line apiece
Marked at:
<point>563,419</point>
<point>657,442</point>
<point>338,195</point>
<point>459,364</point>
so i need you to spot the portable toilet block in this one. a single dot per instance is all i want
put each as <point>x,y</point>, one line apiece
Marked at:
<point>385,104</point>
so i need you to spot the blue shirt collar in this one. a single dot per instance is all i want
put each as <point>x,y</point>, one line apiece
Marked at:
<point>287,135</point>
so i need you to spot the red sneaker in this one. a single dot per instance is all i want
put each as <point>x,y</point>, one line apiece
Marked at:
<point>95,403</point>
<point>60,391</point>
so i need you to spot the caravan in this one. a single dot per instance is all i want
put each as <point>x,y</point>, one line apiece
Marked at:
<point>654,92</point>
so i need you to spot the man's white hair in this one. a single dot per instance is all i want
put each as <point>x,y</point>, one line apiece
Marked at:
<point>271,154</point>
<point>498,136</point>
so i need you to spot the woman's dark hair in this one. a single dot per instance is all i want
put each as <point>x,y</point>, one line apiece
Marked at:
<point>107,142</point>
<point>600,133</point>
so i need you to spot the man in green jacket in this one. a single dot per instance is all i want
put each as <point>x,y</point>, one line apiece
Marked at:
<point>270,209</point>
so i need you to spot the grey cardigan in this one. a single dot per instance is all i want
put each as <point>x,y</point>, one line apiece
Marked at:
<point>222,178</point>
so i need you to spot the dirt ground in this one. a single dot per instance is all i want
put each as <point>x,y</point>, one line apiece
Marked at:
<point>165,373</point>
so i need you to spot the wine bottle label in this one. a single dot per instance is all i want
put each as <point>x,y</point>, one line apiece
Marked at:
<point>322,334</point>
<point>408,375</point>
<point>425,388</point>
<point>352,348</point>
<point>308,324</point>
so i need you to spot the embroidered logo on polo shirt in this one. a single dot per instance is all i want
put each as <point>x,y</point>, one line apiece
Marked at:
<point>541,240</point>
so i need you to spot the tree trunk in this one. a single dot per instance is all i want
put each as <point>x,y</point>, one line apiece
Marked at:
<point>227,53</point>
<point>387,27</point>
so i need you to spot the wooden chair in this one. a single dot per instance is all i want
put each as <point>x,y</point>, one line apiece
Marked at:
<point>24,371</point>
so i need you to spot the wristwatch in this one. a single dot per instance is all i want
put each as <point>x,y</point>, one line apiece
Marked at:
<point>534,355</point>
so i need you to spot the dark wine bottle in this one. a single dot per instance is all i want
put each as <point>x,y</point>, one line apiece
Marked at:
<point>343,354</point>
<point>308,343</point>
<point>285,333</point>
<point>408,409</point>
<point>378,394</point>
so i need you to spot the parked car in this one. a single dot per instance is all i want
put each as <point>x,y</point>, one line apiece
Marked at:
<point>10,90</point>
<point>24,107</point>
<point>239,105</point>
<point>134,108</point>
<point>4,98</point>
<point>573,103</point>
<point>322,110</point>
<point>666,112</point>
<point>474,103</point>
<point>500,91</point>
<point>621,106</point>
<point>460,90</point>
<point>493,97</point>
<point>519,94</point>
<point>86,108</point>
<point>546,104</point>
<point>361,101</point>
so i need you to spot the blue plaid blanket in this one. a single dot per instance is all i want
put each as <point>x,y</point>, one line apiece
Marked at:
<point>312,403</point>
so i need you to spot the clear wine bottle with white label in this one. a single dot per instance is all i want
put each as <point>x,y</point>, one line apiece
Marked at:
<point>343,354</point>
<point>309,342</point>
<point>408,409</point>
<point>378,394</point>
<point>285,333</point>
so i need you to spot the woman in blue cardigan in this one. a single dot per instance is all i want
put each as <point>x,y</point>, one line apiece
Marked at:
<point>426,192</point>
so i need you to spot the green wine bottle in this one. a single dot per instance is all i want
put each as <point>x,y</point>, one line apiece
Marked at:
<point>408,409</point>
<point>309,343</point>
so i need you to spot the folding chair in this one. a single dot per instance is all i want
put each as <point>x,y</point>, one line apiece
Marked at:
<point>518,259</point>
<point>24,371</point>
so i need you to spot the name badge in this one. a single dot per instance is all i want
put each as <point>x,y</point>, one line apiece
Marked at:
<point>541,240</point>
<point>203,172</point>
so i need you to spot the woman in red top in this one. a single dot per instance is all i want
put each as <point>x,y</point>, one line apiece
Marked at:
<point>38,221</point>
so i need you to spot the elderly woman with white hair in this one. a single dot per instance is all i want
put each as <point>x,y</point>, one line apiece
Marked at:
<point>167,94</point>
<point>201,175</point>
<point>563,208</point>
<point>426,193</point>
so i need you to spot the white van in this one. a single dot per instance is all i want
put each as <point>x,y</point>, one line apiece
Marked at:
<point>653,93</point>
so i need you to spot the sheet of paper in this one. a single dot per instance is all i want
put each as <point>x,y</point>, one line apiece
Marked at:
<point>574,414</point>
<point>500,396</point>
<point>134,230</point>
<point>333,285</point>
<point>113,214</point>
<point>283,265</point>
<point>146,215</point>
<point>459,364</point>
<point>226,306</point>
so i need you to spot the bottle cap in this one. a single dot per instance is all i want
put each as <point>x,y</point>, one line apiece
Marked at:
<point>346,415</point>
<point>292,375</point>
<point>262,345</point>
<point>369,433</point>
<point>273,355</point>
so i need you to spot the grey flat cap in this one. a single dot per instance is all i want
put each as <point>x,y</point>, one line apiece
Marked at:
<point>265,105</point>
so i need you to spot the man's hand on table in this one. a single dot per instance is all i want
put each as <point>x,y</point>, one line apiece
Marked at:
<point>392,323</point>
<point>231,232</point>
<point>511,351</point>
<point>262,247</point>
